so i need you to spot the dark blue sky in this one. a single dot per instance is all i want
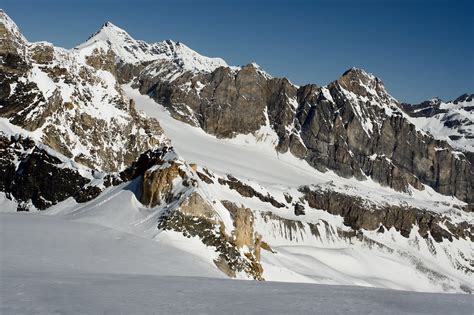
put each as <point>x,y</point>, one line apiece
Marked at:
<point>420,49</point>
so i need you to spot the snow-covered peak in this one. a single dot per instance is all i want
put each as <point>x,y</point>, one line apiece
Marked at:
<point>354,71</point>
<point>191,60</point>
<point>111,37</point>
<point>129,50</point>
<point>7,21</point>
<point>109,32</point>
<point>10,31</point>
<point>435,100</point>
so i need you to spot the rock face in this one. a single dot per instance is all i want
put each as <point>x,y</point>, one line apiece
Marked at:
<point>247,191</point>
<point>365,134</point>
<point>33,176</point>
<point>157,185</point>
<point>173,185</point>
<point>361,214</point>
<point>352,126</point>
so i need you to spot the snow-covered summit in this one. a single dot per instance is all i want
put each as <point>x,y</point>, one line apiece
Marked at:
<point>7,21</point>
<point>9,31</point>
<point>129,50</point>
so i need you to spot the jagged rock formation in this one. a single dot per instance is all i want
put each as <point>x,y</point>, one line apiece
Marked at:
<point>158,184</point>
<point>33,175</point>
<point>175,185</point>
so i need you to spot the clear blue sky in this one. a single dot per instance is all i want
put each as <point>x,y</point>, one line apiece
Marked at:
<point>420,49</point>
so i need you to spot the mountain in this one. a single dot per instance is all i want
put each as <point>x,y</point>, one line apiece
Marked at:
<point>255,177</point>
<point>62,102</point>
<point>449,121</point>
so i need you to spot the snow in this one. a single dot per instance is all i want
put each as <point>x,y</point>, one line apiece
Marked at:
<point>43,81</point>
<point>327,95</point>
<point>302,258</point>
<point>331,260</point>
<point>33,242</point>
<point>6,205</point>
<point>92,269</point>
<point>7,128</point>
<point>260,70</point>
<point>132,51</point>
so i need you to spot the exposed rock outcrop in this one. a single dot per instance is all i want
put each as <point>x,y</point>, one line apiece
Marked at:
<point>33,176</point>
<point>157,184</point>
<point>363,214</point>
<point>248,191</point>
<point>206,226</point>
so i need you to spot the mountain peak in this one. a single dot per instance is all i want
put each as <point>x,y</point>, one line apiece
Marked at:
<point>10,32</point>
<point>362,83</point>
<point>7,21</point>
<point>110,32</point>
<point>358,73</point>
<point>129,50</point>
<point>464,98</point>
<point>108,24</point>
<point>434,101</point>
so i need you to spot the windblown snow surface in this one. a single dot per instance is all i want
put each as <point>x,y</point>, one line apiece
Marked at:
<point>53,265</point>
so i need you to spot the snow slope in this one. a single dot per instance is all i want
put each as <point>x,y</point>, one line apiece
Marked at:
<point>49,244</point>
<point>92,269</point>
<point>301,258</point>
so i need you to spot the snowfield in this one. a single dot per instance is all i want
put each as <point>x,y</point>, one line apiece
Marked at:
<point>52,265</point>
